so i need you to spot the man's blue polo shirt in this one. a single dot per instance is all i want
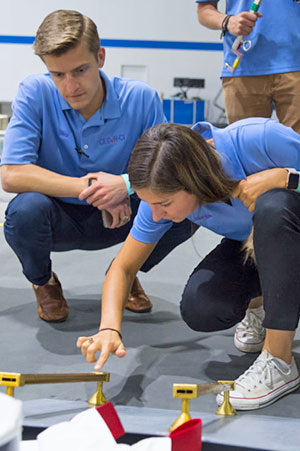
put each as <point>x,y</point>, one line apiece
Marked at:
<point>245,147</point>
<point>45,130</point>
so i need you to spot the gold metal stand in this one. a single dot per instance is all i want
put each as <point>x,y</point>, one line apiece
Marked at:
<point>192,391</point>
<point>98,398</point>
<point>226,408</point>
<point>12,380</point>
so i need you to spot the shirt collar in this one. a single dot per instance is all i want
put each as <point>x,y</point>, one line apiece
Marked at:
<point>225,147</point>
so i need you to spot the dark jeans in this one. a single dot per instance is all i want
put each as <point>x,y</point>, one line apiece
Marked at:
<point>219,290</point>
<point>37,224</point>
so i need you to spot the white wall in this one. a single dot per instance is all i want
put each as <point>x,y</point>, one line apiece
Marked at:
<point>166,20</point>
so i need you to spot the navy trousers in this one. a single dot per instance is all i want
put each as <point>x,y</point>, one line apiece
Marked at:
<point>37,225</point>
<point>220,288</point>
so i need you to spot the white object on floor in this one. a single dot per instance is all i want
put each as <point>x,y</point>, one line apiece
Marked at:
<point>29,445</point>
<point>89,432</point>
<point>11,423</point>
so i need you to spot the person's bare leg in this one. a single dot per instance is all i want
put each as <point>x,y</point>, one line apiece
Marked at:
<point>279,344</point>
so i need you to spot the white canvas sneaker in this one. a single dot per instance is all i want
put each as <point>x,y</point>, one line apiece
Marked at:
<point>267,380</point>
<point>250,334</point>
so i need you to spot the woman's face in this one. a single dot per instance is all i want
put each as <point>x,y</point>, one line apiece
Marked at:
<point>173,206</point>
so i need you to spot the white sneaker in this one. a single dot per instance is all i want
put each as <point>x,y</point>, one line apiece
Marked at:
<point>268,379</point>
<point>250,334</point>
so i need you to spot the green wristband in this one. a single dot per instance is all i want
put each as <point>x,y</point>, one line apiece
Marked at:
<point>127,182</point>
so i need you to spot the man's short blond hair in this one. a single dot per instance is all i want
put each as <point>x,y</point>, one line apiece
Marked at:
<point>63,30</point>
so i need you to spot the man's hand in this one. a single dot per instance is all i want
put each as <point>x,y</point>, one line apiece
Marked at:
<point>107,342</point>
<point>106,191</point>
<point>250,188</point>
<point>120,214</point>
<point>242,24</point>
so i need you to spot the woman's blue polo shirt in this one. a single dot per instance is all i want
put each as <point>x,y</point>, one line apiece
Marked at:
<point>245,147</point>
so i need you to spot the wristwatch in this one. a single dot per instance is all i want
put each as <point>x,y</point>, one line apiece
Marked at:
<point>293,179</point>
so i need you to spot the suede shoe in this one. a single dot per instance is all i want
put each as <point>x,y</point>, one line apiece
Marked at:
<point>138,301</point>
<point>51,304</point>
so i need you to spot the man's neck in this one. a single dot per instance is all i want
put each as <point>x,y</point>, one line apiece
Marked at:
<point>98,101</point>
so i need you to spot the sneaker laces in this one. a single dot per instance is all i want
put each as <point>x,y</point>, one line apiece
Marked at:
<point>250,325</point>
<point>261,372</point>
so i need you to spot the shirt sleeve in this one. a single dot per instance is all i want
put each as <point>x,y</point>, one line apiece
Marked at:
<point>261,144</point>
<point>23,134</point>
<point>282,145</point>
<point>145,229</point>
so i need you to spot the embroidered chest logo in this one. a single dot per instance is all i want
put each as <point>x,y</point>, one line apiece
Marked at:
<point>112,139</point>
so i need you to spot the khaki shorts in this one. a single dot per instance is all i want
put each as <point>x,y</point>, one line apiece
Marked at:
<point>255,97</point>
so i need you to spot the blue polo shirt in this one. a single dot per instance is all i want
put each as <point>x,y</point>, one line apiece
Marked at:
<point>45,130</point>
<point>275,39</point>
<point>245,147</point>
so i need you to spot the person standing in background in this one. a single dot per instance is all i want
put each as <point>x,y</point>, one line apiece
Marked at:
<point>269,72</point>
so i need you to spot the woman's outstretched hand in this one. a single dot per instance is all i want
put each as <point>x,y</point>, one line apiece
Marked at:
<point>107,342</point>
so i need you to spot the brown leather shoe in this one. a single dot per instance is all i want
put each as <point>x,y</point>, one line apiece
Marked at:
<point>138,301</point>
<point>51,304</point>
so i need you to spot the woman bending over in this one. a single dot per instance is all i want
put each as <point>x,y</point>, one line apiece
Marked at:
<point>225,180</point>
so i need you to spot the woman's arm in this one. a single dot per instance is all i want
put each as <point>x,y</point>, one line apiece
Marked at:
<point>115,293</point>
<point>253,186</point>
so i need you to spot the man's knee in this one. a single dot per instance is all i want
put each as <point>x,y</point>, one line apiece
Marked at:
<point>26,205</point>
<point>24,211</point>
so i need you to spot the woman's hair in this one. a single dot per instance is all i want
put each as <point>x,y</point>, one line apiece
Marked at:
<point>63,30</point>
<point>170,157</point>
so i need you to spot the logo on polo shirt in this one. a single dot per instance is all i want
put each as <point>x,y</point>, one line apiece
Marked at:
<point>64,133</point>
<point>112,139</point>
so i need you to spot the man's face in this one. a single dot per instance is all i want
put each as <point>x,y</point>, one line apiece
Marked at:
<point>76,76</point>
